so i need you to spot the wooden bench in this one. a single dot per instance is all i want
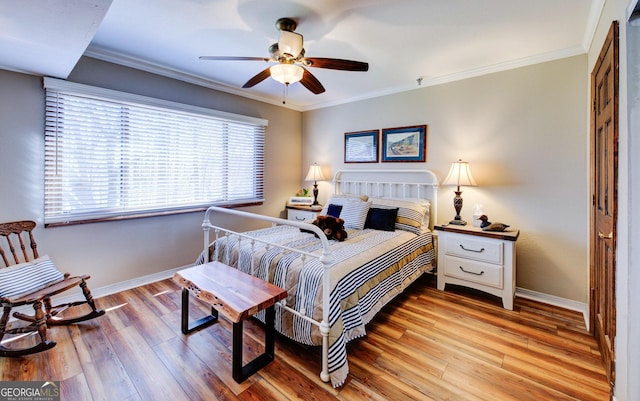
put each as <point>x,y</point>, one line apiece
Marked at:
<point>237,296</point>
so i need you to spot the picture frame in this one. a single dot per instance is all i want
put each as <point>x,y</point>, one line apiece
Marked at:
<point>361,146</point>
<point>404,144</point>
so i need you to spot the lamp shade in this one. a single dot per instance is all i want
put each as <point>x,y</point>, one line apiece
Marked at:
<point>315,173</point>
<point>286,73</point>
<point>290,43</point>
<point>460,175</point>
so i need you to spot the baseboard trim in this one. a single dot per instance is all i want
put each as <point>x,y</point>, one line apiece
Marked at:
<point>151,278</point>
<point>109,289</point>
<point>555,301</point>
<point>135,282</point>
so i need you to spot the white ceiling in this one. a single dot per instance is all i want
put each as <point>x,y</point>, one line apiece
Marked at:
<point>435,40</point>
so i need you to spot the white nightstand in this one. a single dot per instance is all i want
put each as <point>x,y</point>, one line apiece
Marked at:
<point>484,260</point>
<point>302,213</point>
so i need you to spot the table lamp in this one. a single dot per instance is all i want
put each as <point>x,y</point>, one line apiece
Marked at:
<point>459,175</point>
<point>315,175</point>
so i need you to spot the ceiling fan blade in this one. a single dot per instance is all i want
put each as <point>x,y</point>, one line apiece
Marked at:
<point>310,82</point>
<point>231,58</point>
<point>259,77</point>
<point>336,64</point>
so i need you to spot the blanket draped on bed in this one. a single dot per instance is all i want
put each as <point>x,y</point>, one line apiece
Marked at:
<point>369,269</point>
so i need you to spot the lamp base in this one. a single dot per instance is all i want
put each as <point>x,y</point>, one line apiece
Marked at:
<point>457,204</point>
<point>315,194</point>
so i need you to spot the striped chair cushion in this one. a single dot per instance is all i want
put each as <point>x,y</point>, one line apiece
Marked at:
<point>24,278</point>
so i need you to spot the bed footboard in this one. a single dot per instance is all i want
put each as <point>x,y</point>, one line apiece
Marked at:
<point>325,259</point>
<point>323,278</point>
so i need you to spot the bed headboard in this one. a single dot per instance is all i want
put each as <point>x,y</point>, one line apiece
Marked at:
<point>390,183</point>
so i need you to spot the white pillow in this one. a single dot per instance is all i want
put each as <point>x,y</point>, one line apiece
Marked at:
<point>424,203</point>
<point>24,278</point>
<point>354,210</point>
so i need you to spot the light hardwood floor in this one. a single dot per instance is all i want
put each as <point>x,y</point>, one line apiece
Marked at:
<point>425,345</point>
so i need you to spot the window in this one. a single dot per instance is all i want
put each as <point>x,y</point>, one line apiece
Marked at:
<point>111,154</point>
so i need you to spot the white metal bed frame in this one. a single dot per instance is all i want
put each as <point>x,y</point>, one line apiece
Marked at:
<point>375,183</point>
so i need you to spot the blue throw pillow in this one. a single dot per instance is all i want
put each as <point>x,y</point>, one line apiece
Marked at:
<point>334,210</point>
<point>381,219</point>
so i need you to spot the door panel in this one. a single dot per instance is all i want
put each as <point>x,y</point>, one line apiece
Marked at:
<point>604,164</point>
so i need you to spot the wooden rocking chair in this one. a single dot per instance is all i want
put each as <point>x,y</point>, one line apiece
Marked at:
<point>33,281</point>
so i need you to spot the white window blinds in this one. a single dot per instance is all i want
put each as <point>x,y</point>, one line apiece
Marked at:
<point>110,154</point>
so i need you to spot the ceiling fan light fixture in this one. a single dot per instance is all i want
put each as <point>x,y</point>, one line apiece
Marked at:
<point>286,73</point>
<point>289,54</point>
<point>290,43</point>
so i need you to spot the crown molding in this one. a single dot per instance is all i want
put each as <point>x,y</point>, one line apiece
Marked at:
<point>595,12</point>
<point>144,65</point>
<point>137,63</point>
<point>458,76</point>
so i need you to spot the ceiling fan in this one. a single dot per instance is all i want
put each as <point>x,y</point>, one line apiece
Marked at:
<point>289,54</point>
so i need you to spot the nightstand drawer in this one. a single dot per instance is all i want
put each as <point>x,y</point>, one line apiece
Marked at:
<point>301,215</point>
<point>473,271</point>
<point>477,248</point>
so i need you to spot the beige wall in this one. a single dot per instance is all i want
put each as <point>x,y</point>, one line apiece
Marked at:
<point>522,130</point>
<point>113,252</point>
<point>525,133</point>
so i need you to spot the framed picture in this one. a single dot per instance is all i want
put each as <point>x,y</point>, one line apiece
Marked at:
<point>361,147</point>
<point>404,144</point>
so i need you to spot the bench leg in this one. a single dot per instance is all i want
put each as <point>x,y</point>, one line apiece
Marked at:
<point>241,373</point>
<point>198,324</point>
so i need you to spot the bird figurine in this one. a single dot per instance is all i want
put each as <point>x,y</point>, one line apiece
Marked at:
<point>486,225</point>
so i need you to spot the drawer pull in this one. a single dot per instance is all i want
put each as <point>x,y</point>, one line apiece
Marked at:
<point>471,250</point>
<point>299,219</point>
<point>477,274</point>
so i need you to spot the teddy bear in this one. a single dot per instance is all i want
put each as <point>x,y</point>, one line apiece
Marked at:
<point>333,227</point>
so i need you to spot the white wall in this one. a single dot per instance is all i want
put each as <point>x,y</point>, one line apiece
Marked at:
<point>525,134</point>
<point>112,252</point>
<point>629,315</point>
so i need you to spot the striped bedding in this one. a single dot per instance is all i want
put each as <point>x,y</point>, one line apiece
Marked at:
<point>369,269</point>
